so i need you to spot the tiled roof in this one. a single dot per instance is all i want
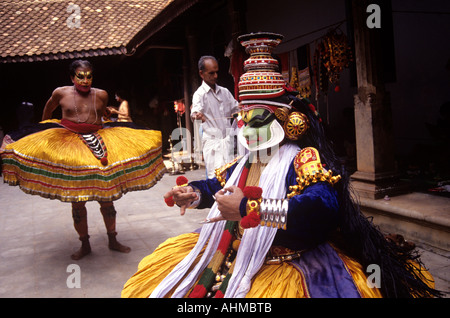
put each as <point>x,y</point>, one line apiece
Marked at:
<point>35,30</point>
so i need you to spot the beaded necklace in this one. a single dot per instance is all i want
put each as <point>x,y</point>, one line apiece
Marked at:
<point>94,108</point>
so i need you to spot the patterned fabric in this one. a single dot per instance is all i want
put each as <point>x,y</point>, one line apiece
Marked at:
<point>209,275</point>
<point>323,272</point>
<point>56,163</point>
<point>207,279</point>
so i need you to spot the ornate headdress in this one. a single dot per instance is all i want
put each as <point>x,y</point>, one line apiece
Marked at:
<point>263,86</point>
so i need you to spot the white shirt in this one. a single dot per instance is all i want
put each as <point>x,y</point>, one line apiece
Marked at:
<point>217,107</point>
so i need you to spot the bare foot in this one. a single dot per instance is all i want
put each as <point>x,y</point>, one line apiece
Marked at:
<point>84,250</point>
<point>115,245</point>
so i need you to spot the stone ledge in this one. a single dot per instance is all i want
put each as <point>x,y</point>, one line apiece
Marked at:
<point>418,217</point>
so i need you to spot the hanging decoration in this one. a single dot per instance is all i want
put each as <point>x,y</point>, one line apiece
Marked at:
<point>320,70</point>
<point>304,83</point>
<point>294,83</point>
<point>301,81</point>
<point>332,55</point>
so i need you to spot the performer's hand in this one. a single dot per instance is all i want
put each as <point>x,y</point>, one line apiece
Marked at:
<point>111,109</point>
<point>228,204</point>
<point>182,196</point>
<point>198,116</point>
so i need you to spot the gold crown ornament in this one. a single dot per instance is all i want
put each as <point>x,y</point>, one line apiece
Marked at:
<point>295,125</point>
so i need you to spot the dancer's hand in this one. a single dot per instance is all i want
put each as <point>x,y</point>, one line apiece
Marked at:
<point>182,196</point>
<point>228,201</point>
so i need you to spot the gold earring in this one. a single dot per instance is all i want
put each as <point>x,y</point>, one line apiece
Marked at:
<point>296,125</point>
<point>282,113</point>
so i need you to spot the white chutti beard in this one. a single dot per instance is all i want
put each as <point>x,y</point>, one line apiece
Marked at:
<point>277,136</point>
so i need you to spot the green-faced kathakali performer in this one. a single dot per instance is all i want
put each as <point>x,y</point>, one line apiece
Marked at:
<point>78,159</point>
<point>282,222</point>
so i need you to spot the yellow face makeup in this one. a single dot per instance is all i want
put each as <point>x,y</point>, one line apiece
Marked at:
<point>83,78</point>
<point>246,115</point>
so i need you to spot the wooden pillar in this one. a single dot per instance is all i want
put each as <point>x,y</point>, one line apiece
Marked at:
<point>192,57</point>
<point>187,100</point>
<point>193,82</point>
<point>376,174</point>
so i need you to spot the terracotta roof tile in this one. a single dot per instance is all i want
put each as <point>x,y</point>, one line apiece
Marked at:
<point>42,30</point>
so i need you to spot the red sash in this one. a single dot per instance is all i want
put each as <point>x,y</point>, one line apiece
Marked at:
<point>80,128</point>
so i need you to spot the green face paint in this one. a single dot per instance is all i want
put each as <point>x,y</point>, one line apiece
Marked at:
<point>257,130</point>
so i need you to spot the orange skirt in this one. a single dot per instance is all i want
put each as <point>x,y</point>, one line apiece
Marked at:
<point>272,281</point>
<point>55,163</point>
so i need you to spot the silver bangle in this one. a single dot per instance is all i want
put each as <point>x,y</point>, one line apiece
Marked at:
<point>274,213</point>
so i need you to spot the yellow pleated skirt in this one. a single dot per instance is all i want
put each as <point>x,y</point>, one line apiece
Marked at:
<point>272,281</point>
<point>55,163</point>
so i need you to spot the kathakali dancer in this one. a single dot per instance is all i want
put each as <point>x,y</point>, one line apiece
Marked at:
<point>282,222</point>
<point>79,158</point>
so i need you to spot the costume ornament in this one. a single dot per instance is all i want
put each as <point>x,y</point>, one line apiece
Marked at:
<point>261,79</point>
<point>256,210</point>
<point>309,170</point>
<point>222,171</point>
<point>296,125</point>
<point>95,143</point>
<point>251,215</point>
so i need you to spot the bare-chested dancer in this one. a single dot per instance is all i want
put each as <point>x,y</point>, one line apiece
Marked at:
<point>82,104</point>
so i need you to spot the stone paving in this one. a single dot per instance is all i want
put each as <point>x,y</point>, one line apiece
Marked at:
<point>37,239</point>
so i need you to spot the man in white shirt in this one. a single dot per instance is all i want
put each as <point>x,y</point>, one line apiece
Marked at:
<point>214,105</point>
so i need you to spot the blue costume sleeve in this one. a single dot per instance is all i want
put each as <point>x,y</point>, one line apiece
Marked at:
<point>208,188</point>
<point>311,216</point>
